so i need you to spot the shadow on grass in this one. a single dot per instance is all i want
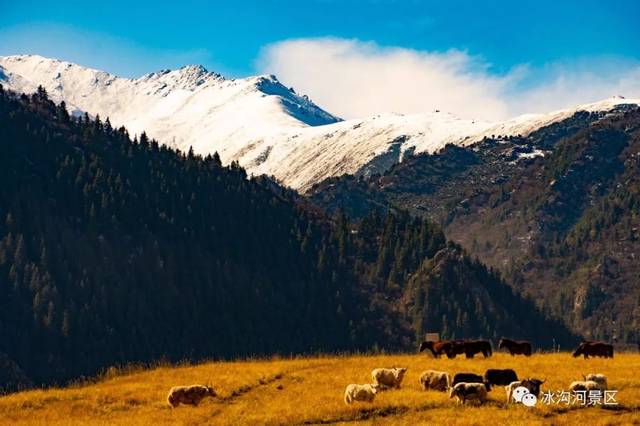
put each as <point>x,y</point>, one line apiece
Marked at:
<point>564,410</point>
<point>264,381</point>
<point>370,413</point>
<point>238,392</point>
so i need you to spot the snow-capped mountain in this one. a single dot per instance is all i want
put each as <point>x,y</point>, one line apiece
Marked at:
<point>257,121</point>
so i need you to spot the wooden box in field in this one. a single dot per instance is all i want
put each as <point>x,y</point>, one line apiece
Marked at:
<point>432,337</point>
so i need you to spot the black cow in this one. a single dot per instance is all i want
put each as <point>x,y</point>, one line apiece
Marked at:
<point>500,377</point>
<point>470,378</point>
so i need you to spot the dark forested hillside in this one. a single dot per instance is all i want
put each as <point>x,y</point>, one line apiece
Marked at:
<point>115,250</point>
<point>557,212</point>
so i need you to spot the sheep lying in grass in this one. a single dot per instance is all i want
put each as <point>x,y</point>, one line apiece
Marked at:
<point>365,393</point>
<point>388,377</point>
<point>601,379</point>
<point>189,395</point>
<point>585,386</point>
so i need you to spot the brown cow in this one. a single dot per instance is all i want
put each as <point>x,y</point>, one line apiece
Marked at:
<point>438,348</point>
<point>587,349</point>
<point>458,347</point>
<point>516,347</point>
<point>472,347</point>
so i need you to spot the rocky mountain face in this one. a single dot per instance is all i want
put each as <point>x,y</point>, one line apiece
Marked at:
<point>556,212</point>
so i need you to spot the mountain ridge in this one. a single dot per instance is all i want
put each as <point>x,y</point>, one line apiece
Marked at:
<point>257,121</point>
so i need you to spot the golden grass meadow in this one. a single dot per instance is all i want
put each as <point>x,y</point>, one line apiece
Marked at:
<point>310,391</point>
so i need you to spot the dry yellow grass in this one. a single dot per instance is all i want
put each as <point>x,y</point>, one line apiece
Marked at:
<point>310,390</point>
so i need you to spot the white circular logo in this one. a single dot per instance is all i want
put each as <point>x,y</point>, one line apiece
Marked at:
<point>519,392</point>
<point>529,400</point>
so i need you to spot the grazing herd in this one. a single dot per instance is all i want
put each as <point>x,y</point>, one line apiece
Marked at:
<point>472,387</point>
<point>452,348</point>
<point>466,387</point>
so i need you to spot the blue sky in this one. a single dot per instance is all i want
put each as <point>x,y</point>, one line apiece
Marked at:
<point>499,39</point>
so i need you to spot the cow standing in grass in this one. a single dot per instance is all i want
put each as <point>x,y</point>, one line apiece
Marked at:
<point>588,349</point>
<point>500,377</point>
<point>472,347</point>
<point>516,347</point>
<point>470,378</point>
<point>438,348</point>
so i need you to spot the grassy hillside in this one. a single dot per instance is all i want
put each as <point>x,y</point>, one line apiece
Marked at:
<point>310,391</point>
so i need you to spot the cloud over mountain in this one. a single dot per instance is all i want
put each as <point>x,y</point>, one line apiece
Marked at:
<point>354,78</point>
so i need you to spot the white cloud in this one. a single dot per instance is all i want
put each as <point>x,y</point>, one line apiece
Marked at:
<point>565,85</point>
<point>353,78</point>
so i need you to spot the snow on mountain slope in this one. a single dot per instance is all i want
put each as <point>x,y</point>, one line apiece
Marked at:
<point>186,107</point>
<point>362,146</point>
<point>527,123</point>
<point>257,121</point>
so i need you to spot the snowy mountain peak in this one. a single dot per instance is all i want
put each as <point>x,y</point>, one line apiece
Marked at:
<point>259,122</point>
<point>194,70</point>
<point>189,77</point>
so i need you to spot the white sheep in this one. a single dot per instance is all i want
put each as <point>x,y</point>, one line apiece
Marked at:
<point>388,377</point>
<point>437,380</point>
<point>586,385</point>
<point>365,393</point>
<point>601,379</point>
<point>189,395</point>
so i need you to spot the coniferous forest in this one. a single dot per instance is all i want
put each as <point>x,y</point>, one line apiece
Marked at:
<point>116,250</point>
